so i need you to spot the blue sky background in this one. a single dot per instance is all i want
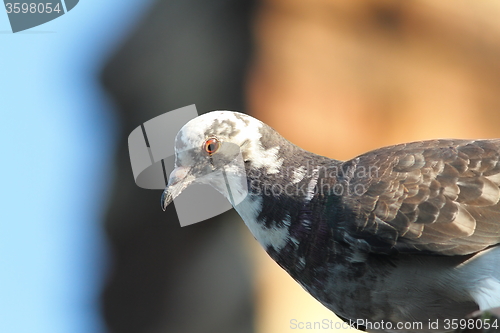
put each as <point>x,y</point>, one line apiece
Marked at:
<point>56,140</point>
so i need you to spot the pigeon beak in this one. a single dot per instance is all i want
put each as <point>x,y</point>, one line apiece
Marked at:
<point>179,179</point>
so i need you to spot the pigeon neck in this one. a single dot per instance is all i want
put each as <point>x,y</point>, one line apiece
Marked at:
<point>278,200</point>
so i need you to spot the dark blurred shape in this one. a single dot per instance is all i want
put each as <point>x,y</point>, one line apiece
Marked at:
<point>166,278</point>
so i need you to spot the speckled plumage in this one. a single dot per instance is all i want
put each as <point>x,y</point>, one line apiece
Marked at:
<point>401,234</point>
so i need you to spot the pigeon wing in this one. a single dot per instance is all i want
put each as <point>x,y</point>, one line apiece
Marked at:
<point>438,197</point>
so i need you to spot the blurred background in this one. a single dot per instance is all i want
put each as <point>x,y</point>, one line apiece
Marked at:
<point>83,249</point>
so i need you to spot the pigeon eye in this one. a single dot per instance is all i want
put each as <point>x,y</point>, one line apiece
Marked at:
<point>211,146</point>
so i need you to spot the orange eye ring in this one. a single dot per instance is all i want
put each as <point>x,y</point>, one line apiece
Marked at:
<point>211,146</point>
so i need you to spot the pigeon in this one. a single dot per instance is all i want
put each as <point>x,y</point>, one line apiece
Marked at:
<point>404,238</point>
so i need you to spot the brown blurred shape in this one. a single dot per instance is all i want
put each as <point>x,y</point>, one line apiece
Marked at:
<point>376,72</point>
<point>343,77</point>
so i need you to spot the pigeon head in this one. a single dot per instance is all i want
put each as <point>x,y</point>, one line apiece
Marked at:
<point>220,143</point>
